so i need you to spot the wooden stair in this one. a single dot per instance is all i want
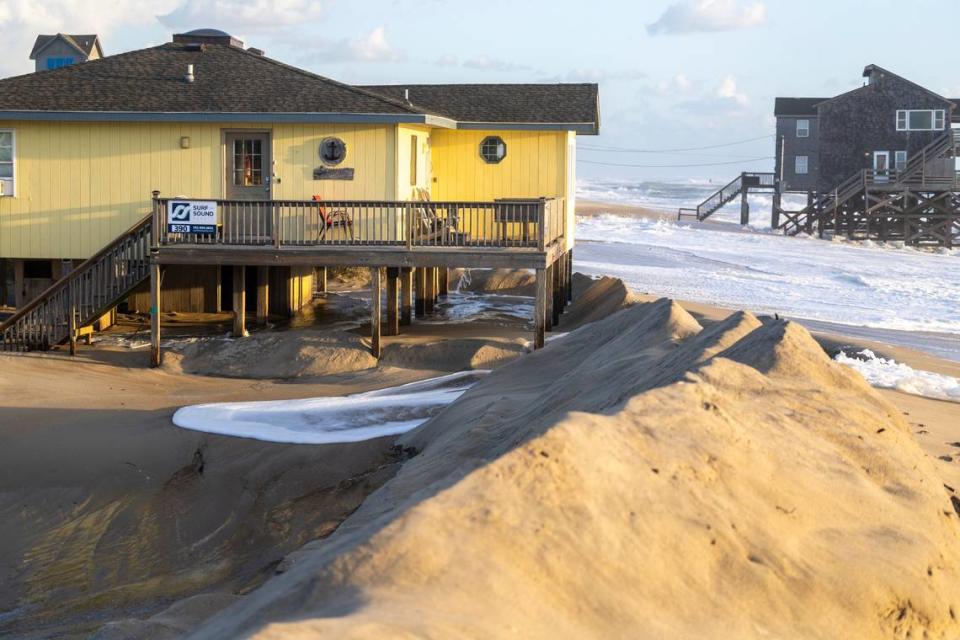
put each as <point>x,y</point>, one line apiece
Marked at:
<point>727,193</point>
<point>82,296</point>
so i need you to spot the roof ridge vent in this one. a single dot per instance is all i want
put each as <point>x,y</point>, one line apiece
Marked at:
<point>208,36</point>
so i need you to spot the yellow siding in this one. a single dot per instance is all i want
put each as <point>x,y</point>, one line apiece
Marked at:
<point>537,164</point>
<point>79,185</point>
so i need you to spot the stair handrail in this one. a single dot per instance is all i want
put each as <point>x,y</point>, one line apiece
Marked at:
<point>718,194</point>
<point>936,148</point>
<point>79,269</point>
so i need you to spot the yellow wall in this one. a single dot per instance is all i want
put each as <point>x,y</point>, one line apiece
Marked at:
<point>537,164</point>
<point>79,185</point>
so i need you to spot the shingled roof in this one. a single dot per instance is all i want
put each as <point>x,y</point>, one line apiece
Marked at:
<point>796,106</point>
<point>226,80</point>
<point>234,84</point>
<point>82,43</point>
<point>504,103</point>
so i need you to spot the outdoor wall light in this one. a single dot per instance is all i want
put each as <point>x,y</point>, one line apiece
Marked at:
<point>185,142</point>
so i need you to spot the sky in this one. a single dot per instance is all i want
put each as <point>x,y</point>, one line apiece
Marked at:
<point>673,74</point>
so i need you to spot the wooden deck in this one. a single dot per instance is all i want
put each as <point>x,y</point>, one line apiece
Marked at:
<point>408,246</point>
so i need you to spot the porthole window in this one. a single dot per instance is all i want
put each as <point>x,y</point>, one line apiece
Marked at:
<point>493,149</point>
<point>332,151</point>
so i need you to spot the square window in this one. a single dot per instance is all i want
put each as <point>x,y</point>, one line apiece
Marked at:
<point>921,120</point>
<point>900,160</point>
<point>801,165</point>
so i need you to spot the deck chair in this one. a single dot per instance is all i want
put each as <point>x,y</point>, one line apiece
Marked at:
<point>330,219</point>
<point>431,226</point>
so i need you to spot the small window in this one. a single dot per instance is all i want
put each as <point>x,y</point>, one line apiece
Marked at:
<point>413,161</point>
<point>7,159</point>
<point>333,151</point>
<point>801,165</point>
<point>493,149</point>
<point>57,63</point>
<point>921,119</point>
<point>900,160</point>
<point>803,128</point>
<point>247,162</point>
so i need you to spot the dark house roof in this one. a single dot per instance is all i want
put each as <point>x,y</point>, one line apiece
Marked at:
<point>227,79</point>
<point>233,84</point>
<point>84,44</point>
<point>503,103</point>
<point>796,106</point>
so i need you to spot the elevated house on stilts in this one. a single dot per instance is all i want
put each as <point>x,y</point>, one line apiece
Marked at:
<point>196,174</point>
<point>877,162</point>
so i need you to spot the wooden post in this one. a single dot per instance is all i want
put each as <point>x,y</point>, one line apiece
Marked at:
<point>375,311</point>
<point>406,295</point>
<point>72,320</point>
<point>744,207</point>
<point>557,301</point>
<point>444,281</point>
<point>570,276</point>
<point>548,299</point>
<point>321,280</point>
<point>263,295</point>
<point>429,289</point>
<point>775,210</point>
<point>420,303</point>
<point>239,302</point>
<point>540,309</point>
<point>393,301</point>
<point>156,358</point>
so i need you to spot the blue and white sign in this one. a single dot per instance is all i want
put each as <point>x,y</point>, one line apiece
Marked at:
<point>192,216</point>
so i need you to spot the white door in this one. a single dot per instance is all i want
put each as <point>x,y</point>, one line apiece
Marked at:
<point>881,165</point>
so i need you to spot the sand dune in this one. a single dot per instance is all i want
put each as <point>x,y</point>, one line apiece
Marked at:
<point>669,481</point>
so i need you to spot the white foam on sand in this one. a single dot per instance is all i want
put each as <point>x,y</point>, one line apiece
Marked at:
<point>353,418</point>
<point>890,374</point>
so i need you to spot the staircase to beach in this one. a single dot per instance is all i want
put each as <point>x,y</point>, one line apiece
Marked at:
<point>82,296</point>
<point>826,207</point>
<point>745,182</point>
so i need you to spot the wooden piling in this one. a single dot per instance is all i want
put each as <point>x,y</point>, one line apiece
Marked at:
<point>263,295</point>
<point>393,301</point>
<point>406,296</point>
<point>375,311</point>
<point>570,276</point>
<point>556,297</point>
<point>548,298</point>
<point>239,301</point>
<point>420,304</point>
<point>156,358</point>
<point>429,289</point>
<point>540,308</point>
<point>72,320</point>
<point>444,288</point>
<point>744,207</point>
<point>321,275</point>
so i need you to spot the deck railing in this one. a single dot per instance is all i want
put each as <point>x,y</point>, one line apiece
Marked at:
<point>509,223</point>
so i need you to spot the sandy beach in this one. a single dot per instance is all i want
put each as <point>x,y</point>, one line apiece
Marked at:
<point>117,517</point>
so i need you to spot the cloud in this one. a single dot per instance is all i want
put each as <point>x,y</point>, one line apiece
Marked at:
<point>699,16</point>
<point>485,63</point>
<point>238,16</point>
<point>594,74</point>
<point>22,20</point>
<point>728,91</point>
<point>373,46</point>
<point>725,99</point>
<point>447,60</point>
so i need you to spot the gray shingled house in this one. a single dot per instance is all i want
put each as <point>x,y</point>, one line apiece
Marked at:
<point>62,50</point>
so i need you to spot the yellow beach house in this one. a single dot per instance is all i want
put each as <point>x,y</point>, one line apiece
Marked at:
<point>161,178</point>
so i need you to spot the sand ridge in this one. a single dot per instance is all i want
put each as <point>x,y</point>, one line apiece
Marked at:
<point>670,481</point>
